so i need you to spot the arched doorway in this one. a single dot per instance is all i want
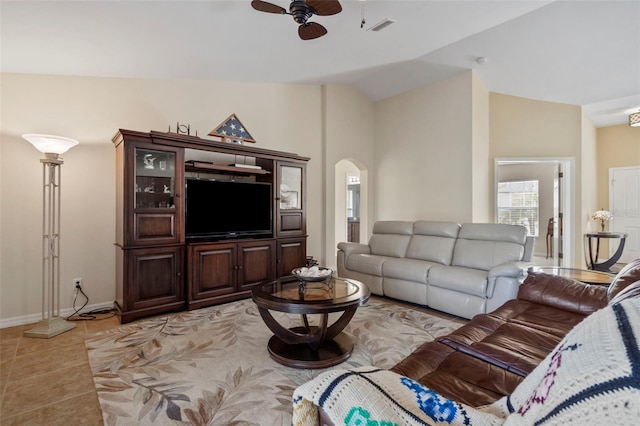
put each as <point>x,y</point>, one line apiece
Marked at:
<point>351,202</point>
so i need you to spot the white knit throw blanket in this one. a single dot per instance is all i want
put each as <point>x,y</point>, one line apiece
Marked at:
<point>591,378</point>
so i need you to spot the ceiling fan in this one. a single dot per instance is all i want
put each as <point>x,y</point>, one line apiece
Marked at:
<point>301,11</point>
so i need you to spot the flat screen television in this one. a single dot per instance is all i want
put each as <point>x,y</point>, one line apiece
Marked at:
<point>227,209</point>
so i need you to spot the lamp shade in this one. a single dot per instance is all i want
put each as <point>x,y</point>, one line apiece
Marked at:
<point>50,144</point>
<point>634,119</point>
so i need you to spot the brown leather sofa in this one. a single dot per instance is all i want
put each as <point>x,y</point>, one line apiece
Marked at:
<point>489,356</point>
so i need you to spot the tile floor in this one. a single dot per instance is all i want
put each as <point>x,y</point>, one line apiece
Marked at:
<point>48,381</point>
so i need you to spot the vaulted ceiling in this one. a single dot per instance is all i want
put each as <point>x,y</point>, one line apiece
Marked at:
<point>577,52</point>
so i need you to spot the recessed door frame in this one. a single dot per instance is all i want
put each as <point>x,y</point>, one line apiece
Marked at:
<point>566,196</point>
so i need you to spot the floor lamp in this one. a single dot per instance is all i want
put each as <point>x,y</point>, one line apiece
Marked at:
<point>52,146</point>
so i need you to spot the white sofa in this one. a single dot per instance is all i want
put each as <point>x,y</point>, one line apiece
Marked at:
<point>463,269</point>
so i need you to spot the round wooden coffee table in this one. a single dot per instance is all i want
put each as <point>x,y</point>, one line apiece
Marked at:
<point>310,346</point>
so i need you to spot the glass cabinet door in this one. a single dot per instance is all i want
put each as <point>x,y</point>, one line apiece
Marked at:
<point>290,188</point>
<point>155,179</point>
<point>290,211</point>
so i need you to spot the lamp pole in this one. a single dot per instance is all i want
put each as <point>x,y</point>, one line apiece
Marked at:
<point>51,323</point>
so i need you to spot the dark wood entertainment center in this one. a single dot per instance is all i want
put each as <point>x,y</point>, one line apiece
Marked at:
<point>159,268</point>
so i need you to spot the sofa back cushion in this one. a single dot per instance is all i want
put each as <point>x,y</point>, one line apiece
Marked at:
<point>629,274</point>
<point>562,293</point>
<point>390,238</point>
<point>433,241</point>
<point>590,378</point>
<point>485,245</point>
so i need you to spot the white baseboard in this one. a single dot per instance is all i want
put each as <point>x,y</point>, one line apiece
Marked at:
<point>34,318</point>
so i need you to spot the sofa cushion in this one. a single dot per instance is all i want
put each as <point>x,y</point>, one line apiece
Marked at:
<point>390,238</point>
<point>484,245</point>
<point>562,293</point>
<point>407,269</point>
<point>513,347</point>
<point>494,232</point>
<point>548,319</point>
<point>367,263</point>
<point>464,280</point>
<point>457,376</point>
<point>629,274</point>
<point>433,241</point>
<point>591,377</point>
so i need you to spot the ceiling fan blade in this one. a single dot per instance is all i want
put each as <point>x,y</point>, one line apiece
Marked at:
<point>264,6</point>
<point>325,7</point>
<point>311,30</point>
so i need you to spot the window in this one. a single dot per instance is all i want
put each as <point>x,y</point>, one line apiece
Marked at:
<point>518,204</point>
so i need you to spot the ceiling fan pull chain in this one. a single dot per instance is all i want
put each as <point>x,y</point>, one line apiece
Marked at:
<point>362,22</point>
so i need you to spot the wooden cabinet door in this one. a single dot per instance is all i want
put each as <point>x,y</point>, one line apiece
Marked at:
<point>256,263</point>
<point>292,253</point>
<point>153,280</point>
<point>154,203</point>
<point>290,199</point>
<point>212,270</point>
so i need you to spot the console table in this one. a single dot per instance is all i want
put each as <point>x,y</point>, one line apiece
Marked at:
<point>592,260</point>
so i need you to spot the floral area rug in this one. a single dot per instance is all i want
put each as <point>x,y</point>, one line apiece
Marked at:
<point>211,366</point>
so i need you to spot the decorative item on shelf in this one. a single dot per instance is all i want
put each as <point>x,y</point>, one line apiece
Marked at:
<point>52,147</point>
<point>148,161</point>
<point>288,198</point>
<point>634,119</point>
<point>231,130</point>
<point>603,216</point>
<point>182,129</point>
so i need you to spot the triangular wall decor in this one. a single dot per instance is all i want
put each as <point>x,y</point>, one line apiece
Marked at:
<point>232,130</point>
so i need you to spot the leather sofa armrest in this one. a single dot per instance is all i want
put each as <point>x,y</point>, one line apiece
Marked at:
<point>353,248</point>
<point>506,270</point>
<point>562,293</point>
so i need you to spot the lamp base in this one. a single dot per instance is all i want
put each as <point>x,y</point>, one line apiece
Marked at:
<point>50,327</point>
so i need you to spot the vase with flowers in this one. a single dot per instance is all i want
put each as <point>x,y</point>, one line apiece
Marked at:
<point>603,216</point>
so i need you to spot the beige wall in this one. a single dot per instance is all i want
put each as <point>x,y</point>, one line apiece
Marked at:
<point>617,146</point>
<point>423,153</point>
<point>527,128</point>
<point>481,163</point>
<point>349,124</point>
<point>281,117</point>
<point>588,178</point>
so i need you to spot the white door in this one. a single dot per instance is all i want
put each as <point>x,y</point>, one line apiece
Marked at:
<point>624,202</point>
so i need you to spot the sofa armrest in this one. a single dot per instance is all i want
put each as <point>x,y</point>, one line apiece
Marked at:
<point>353,248</point>
<point>504,270</point>
<point>562,293</point>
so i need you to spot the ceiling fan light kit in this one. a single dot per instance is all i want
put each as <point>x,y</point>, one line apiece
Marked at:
<point>302,11</point>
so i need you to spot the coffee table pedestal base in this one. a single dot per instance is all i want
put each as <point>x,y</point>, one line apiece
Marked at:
<point>330,353</point>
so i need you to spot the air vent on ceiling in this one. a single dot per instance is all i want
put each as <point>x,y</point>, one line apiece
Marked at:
<point>382,24</point>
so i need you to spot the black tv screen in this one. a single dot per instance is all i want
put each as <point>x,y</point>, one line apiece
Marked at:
<point>217,208</point>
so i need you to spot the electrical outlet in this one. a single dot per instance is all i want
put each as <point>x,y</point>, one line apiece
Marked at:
<point>77,283</point>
